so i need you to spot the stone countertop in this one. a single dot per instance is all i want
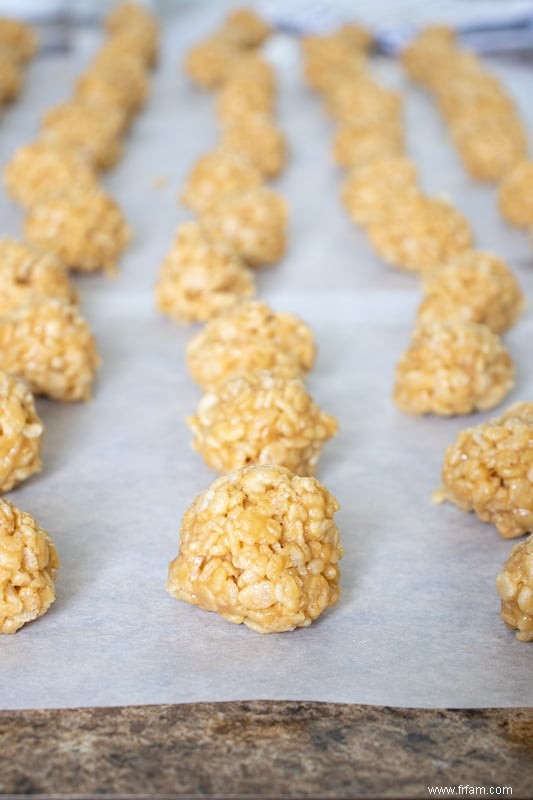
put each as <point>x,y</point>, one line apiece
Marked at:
<point>263,749</point>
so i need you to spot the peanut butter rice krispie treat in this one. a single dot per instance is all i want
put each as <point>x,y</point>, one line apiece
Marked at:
<point>137,41</point>
<point>489,470</point>
<point>89,128</point>
<point>50,346</point>
<point>362,103</point>
<point>260,418</point>
<point>356,146</point>
<point>138,30</point>
<point>420,233</point>
<point>515,587</point>
<point>244,28</point>
<point>207,63</point>
<point>260,547</point>
<point>27,275</point>
<point>128,14</point>
<point>114,84</point>
<point>10,78</point>
<point>491,147</point>
<point>28,567</point>
<point>259,140</point>
<point>473,287</point>
<point>85,230</point>
<point>18,39</point>
<point>243,95</point>
<point>370,191</point>
<point>250,337</point>
<point>516,195</point>
<point>41,168</point>
<point>200,278</point>
<point>252,66</point>
<point>327,58</point>
<point>216,174</point>
<point>253,222</point>
<point>453,368</point>
<point>433,46</point>
<point>21,433</point>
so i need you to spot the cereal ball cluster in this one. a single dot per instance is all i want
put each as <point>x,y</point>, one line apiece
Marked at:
<point>516,195</point>
<point>489,470</point>
<point>261,418</point>
<point>242,95</point>
<point>245,28</point>
<point>28,567</point>
<point>92,130</point>
<point>21,433</point>
<point>515,587</point>
<point>10,78</point>
<point>252,66</point>
<point>137,30</point>
<point>216,175</point>
<point>208,62</point>
<point>114,82</point>
<point>370,191</point>
<point>420,233</point>
<point>490,147</point>
<point>50,346</point>
<point>474,287</point>
<point>453,368</point>
<point>260,547</point>
<point>251,337</point>
<point>364,103</point>
<point>259,140</point>
<point>328,58</point>
<point>86,230</point>
<point>355,146</point>
<point>253,222</point>
<point>201,278</point>
<point>431,47</point>
<point>18,40</point>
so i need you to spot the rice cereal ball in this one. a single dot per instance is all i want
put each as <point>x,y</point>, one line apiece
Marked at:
<point>120,85</point>
<point>200,278</point>
<point>138,30</point>
<point>260,547</point>
<point>21,434</point>
<point>259,140</point>
<point>41,168</point>
<point>473,287</point>
<point>453,368</point>
<point>260,418</point>
<point>208,62</point>
<point>370,191</point>
<point>489,470</point>
<point>250,337</point>
<point>219,173</point>
<point>356,146</point>
<point>244,28</point>
<point>432,46</point>
<point>516,195</point>
<point>89,128</point>
<point>17,39</point>
<point>27,275</point>
<point>85,230</point>
<point>363,102</point>
<point>129,14</point>
<point>254,223</point>
<point>252,66</point>
<point>28,567</point>
<point>515,587</point>
<point>241,96</point>
<point>420,233</point>
<point>489,148</point>
<point>50,346</point>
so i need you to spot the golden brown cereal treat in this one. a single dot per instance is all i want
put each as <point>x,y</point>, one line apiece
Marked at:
<point>21,433</point>
<point>515,587</point>
<point>41,168</point>
<point>428,51</point>
<point>516,195</point>
<point>259,140</point>
<point>490,147</point>
<point>254,223</point>
<point>18,39</point>
<point>260,547</point>
<point>85,230</point>
<point>489,470</point>
<point>138,30</point>
<point>328,56</point>
<point>260,418</point>
<point>91,129</point>
<point>420,233</point>
<point>243,95</point>
<point>355,37</point>
<point>453,368</point>
<point>129,14</point>
<point>475,287</point>
<point>27,275</point>
<point>200,278</point>
<point>474,100</point>
<point>137,42</point>
<point>244,28</point>
<point>250,337</point>
<point>122,83</point>
<point>49,345</point>
<point>362,103</point>
<point>10,78</point>
<point>207,63</point>
<point>253,67</point>
<point>29,564</point>
<point>370,191</point>
<point>357,146</point>
<point>219,173</point>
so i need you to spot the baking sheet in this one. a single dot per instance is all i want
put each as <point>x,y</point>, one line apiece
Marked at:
<point>418,623</point>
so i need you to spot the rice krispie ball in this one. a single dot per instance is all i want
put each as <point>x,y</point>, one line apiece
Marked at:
<point>136,26</point>
<point>252,66</point>
<point>356,146</point>
<point>41,168</point>
<point>200,278</point>
<point>10,78</point>
<point>254,223</point>
<point>241,96</point>
<point>50,346</point>
<point>259,140</point>
<point>420,233</point>
<point>85,230</point>
<point>491,147</point>
<point>250,337</point>
<point>138,42</point>
<point>516,195</point>
<point>453,368</point>
<point>327,58</point>
<point>27,275</point>
<point>216,174</point>
<point>128,14</point>
<point>207,63</point>
<point>18,39</point>
<point>120,84</point>
<point>489,470</point>
<point>21,433</point>
<point>260,418</point>
<point>431,47</point>
<point>515,587</point>
<point>362,103</point>
<point>89,128</point>
<point>473,287</point>
<point>28,567</point>
<point>370,191</point>
<point>260,547</point>
<point>244,28</point>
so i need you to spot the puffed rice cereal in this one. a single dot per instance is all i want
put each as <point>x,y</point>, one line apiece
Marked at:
<point>244,28</point>
<point>139,42</point>
<point>216,174</point>
<point>515,587</point>
<point>259,140</point>
<point>253,66</point>
<point>18,39</point>
<point>21,433</point>
<point>432,47</point>
<point>516,195</point>
<point>241,96</point>
<point>260,547</point>
<point>207,63</point>
<point>490,147</point>
<point>89,128</point>
<point>119,84</point>
<point>356,146</point>
<point>453,368</point>
<point>363,103</point>
<point>370,191</point>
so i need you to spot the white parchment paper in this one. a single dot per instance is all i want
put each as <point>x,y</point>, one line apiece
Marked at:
<point>418,623</point>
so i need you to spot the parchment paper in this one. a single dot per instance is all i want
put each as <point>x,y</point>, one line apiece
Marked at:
<point>418,623</point>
